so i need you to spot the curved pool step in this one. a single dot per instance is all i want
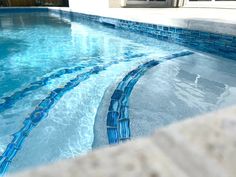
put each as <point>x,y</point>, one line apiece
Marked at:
<point>38,115</point>
<point>118,122</point>
<point>41,112</point>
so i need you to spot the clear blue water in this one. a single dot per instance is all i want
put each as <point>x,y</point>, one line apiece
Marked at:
<point>34,46</point>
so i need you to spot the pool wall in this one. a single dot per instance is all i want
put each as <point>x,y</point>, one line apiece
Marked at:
<point>215,43</point>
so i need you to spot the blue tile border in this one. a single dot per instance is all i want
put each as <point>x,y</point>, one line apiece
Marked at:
<point>118,122</point>
<point>217,44</point>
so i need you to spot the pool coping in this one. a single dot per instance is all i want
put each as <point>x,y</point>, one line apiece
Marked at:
<point>207,25</point>
<point>201,24</point>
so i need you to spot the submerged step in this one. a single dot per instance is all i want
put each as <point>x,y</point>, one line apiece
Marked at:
<point>118,128</point>
<point>43,108</point>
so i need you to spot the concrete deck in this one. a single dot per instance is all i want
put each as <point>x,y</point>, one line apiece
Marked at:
<point>214,20</point>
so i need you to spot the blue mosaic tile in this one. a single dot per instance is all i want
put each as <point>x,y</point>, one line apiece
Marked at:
<point>112,119</point>
<point>125,100</point>
<point>12,154</point>
<point>46,103</point>
<point>214,36</point>
<point>11,149</point>
<point>134,72</point>
<point>114,105</point>
<point>27,127</point>
<point>172,29</point>
<point>112,135</point>
<point>117,94</point>
<point>121,85</point>
<point>124,112</point>
<point>37,116</point>
<point>4,166</point>
<point>18,140</point>
<point>233,43</point>
<point>132,83</point>
<point>124,130</point>
<point>128,90</point>
<point>2,159</point>
<point>126,78</point>
<point>165,28</point>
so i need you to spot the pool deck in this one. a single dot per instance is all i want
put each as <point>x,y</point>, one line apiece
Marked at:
<point>215,20</point>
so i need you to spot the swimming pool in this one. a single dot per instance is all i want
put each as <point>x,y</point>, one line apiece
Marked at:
<point>54,73</point>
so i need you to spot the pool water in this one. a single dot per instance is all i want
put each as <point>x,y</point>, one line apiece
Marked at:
<point>40,53</point>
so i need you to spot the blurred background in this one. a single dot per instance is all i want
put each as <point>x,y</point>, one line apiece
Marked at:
<point>63,3</point>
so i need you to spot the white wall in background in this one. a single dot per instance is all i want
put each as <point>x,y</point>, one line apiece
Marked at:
<point>88,4</point>
<point>116,3</point>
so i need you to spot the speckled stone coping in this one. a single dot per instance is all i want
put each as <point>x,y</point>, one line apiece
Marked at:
<point>204,146</point>
<point>118,128</point>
